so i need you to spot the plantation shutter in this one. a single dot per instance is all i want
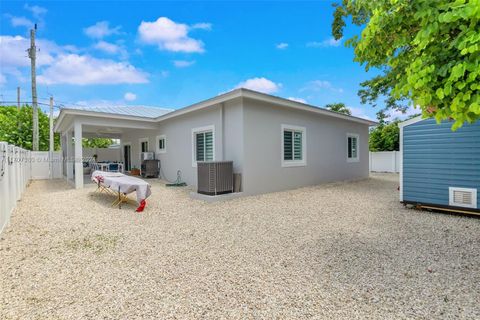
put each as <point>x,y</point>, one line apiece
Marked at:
<point>204,146</point>
<point>208,146</point>
<point>287,145</point>
<point>297,145</point>
<point>349,147</point>
<point>200,143</point>
<point>354,147</point>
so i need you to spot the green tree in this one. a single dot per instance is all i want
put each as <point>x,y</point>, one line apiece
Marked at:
<point>97,142</point>
<point>16,128</point>
<point>339,107</point>
<point>385,137</point>
<point>428,53</point>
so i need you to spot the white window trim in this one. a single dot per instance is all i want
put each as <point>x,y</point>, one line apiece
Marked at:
<point>140,147</point>
<point>194,141</point>
<point>357,158</point>
<point>294,163</point>
<point>164,137</point>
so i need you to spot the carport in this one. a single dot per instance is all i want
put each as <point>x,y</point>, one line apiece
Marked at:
<point>75,124</point>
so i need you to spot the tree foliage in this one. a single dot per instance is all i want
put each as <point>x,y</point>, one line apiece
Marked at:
<point>385,137</point>
<point>339,107</point>
<point>97,142</point>
<point>16,128</point>
<point>428,52</point>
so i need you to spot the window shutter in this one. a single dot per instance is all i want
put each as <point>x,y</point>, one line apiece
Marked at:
<point>350,147</point>
<point>297,146</point>
<point>287,145</point>
<point>200,152</point>
<point>354,147</point>
<point>208,146</point>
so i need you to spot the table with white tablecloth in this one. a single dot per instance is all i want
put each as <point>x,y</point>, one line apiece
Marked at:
<point>123,185</point>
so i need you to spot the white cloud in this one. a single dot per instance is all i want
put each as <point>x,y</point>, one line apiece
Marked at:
<point>100,30</point>
<point>85,70</point>
<point>395,114</point>
<point>21,22</point>
<point>183,63</point>
<point>111,48</point>
<point>169,35</point>
<point>318,85</point>
<point>129,96</point>
<point>331,42</point>
<point>12,51</point>
<point>107,47</point>
<point>36,11</point>
<point>202,26</point>
<point>260,84</point>
<point>281,45</point>
<point>360,113</point>
<point>297,99</point>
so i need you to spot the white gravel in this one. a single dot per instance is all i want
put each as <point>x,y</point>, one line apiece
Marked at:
<point>336,251</point>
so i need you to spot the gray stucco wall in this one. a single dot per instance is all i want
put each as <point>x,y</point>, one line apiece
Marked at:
<point>233,134</point>
<point>326,153</point>
<point>249,133</point>
<point>178,132</point>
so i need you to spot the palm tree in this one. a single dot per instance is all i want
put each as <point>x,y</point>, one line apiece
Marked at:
<point>339,107</point>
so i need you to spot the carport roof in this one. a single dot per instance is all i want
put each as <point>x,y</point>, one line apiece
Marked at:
<point>134,111</point>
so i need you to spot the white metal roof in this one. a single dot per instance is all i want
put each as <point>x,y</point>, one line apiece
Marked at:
<point>135,111</point>
<point>154,114</point>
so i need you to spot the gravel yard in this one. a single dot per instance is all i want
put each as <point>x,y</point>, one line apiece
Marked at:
<point>335,251</point>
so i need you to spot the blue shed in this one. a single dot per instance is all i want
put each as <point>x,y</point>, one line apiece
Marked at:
<point>440,168</point>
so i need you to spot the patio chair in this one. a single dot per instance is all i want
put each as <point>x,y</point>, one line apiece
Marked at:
<point>113,167</point>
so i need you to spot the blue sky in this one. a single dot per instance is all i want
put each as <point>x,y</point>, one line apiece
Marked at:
<point>172,54</point>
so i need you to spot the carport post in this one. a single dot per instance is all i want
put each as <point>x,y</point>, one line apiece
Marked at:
<point>78,156</point>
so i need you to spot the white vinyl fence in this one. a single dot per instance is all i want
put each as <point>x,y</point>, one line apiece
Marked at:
<point>15,173</point>
<point>17,167</point>
<point>41,165</point>
<point>385,161</point>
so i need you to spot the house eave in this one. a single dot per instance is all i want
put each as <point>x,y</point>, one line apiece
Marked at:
<point>75,112</point>
<point>246,93</point>
<point>410,121</point>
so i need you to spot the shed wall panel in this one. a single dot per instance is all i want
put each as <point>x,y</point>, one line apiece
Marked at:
<point>436,158</point>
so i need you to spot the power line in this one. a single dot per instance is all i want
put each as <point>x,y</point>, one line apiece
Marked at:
<point>28,102</point>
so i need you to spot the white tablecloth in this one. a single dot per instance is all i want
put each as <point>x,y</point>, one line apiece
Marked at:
<point>126,184</point>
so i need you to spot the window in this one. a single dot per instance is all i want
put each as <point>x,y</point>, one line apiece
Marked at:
<point>352,147</point>
<point>144,146</point>
<point>293,146</point>
<point>203,143</point>
<point>161,144</point>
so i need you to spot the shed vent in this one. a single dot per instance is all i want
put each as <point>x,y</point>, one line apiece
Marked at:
<point>463,197</point>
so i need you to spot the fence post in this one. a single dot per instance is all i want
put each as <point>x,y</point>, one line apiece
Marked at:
<point>4,190</point>
<point>394,160</point>
<point>369,161</point>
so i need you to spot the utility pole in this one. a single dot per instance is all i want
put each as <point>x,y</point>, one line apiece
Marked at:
<point>50,154</point>
<point>18,99</point>
<point>32,54</point>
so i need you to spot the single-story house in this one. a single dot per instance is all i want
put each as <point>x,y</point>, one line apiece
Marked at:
<point>440,168</point>
<point>274,143</point>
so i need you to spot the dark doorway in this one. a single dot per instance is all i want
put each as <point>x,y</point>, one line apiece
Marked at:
<point>127,156</point>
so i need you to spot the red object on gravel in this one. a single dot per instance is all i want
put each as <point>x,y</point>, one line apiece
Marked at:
<point>142,205</point>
